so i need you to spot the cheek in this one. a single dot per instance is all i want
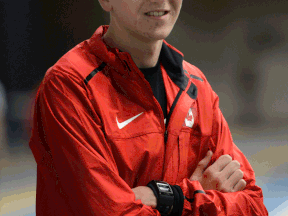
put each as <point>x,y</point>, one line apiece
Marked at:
<point>177,5</point>
<point>126,13</point>
<point>130,9</point>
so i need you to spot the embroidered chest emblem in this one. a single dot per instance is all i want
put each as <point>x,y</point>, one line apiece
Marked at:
<point>191,117</point>
<point>189,120</point>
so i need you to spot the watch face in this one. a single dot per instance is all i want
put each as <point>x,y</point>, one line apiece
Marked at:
<point>164,188</point>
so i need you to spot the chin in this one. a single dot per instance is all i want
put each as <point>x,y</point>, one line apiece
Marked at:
<point>159,35</point>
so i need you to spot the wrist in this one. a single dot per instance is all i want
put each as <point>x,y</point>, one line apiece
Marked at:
<point>164,195</point>
<point>170,198</point>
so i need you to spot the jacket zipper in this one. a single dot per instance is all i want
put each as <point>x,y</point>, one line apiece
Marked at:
<point>170,113</point>
<point>165,125</point>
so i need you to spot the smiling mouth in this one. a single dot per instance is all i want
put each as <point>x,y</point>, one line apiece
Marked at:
<point>156,13</point>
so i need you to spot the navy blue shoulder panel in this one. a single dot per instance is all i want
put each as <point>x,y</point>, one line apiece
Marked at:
<point>94,72</point>
<point>192,91</point>
<point>193,76</point>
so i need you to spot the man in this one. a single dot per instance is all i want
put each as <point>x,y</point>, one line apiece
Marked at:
<point>124,126</point>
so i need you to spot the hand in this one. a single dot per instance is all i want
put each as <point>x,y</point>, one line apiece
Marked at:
<point>146,195</point>
<point>224,175</point>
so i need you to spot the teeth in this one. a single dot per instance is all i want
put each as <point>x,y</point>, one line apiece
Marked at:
<point>155,13</point>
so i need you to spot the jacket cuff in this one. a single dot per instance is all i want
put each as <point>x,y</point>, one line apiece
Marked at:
<point>190,189</point>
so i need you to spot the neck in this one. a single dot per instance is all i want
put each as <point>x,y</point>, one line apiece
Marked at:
<point>145,54</point>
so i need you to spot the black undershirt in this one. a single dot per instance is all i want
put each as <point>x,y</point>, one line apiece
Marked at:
<point>154,76</point>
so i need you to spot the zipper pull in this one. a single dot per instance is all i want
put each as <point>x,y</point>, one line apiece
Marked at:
<point>166,132</point>
<point>165,136</point>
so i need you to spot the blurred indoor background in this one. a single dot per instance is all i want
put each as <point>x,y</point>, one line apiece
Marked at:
<point>241,46</point>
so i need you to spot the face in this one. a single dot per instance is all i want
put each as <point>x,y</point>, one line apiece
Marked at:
<point>146,20</point>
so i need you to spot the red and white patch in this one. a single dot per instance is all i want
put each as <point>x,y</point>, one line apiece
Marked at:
<point>190,118</point>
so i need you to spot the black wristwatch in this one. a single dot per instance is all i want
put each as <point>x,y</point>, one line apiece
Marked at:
<point>165,196</point>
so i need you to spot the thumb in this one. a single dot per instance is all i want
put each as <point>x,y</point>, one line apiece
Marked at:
<point>201,166</point>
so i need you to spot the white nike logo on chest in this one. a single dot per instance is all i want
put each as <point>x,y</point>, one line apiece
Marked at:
<point>124,123</point>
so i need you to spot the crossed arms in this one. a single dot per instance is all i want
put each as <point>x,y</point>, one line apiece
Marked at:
<point>82,176</point>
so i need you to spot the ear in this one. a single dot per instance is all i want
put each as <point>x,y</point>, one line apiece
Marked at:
<point>106,5</point>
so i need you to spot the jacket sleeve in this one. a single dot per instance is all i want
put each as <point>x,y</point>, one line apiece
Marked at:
<point>212,202</point>
<point>68,141</point>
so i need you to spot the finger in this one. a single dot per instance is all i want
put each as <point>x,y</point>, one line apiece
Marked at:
<point>205,161</point>
<point>221,163</point>
<point>202,165</point>
<point>241,184</point>
<point>230,169</point>
<point>234,179</point>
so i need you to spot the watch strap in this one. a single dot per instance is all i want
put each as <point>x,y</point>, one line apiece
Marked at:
<point>164,201</point>
<point>178,201</point>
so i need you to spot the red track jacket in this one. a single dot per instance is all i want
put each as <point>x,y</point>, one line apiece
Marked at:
<point>98,131</point>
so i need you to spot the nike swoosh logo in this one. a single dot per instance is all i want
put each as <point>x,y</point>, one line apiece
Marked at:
<point>125,123</point>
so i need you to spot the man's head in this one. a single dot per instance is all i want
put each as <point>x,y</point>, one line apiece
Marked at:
<point>145,20</point>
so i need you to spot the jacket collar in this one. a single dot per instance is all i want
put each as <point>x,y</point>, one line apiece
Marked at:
<point>103,52</point>
<point>171,59</point>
